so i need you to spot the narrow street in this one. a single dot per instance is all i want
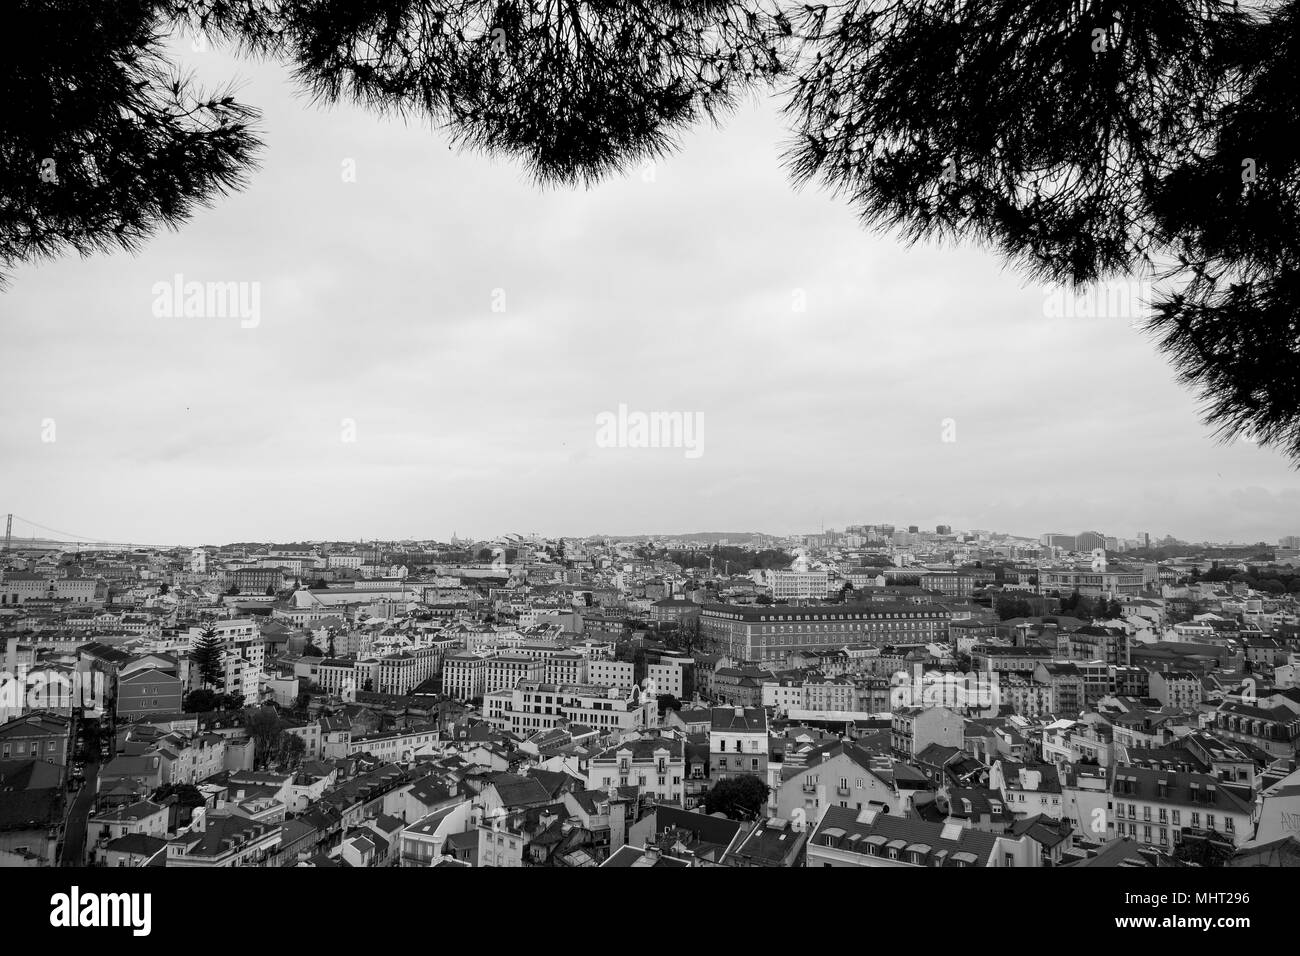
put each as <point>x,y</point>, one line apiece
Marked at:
<point>74,836</point>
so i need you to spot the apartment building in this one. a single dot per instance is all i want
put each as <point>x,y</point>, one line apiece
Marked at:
<point>783,694</point>
<point>609,673</point>
<point>566,667</point>
<point>1155,806</point>
<point>829,695</point>
<point>149,691</point>
<point>505,671</point>
<point>1273,728</point>
<point>402,672</point>
<point>36,736</point>
<point>738,742</point>
<point>870,838</point>
<point>843,775</point>
<point>788,585</point>
<point>393,746</point>
<point>224,841</point>
<point>536,705</point>
<point>337,676</point>
<point>655,764</point>
<point>672,676</point>
<point>464,674</point>
<point>1175,688</point>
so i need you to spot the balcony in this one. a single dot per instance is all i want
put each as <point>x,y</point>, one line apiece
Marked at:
<point>842,791</point>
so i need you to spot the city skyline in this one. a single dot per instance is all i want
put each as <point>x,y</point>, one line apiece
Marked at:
<point>732,537</point>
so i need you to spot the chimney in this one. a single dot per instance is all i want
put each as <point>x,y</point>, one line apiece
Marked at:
<point>740,711</point>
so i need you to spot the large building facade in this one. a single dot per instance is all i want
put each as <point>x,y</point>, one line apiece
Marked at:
<point>758,632</point>
<point>533,705</point>
<point>1093,583</point>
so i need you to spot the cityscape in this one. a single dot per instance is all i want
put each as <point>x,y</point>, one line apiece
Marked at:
<point>880,696</point>
<point>511,436</point>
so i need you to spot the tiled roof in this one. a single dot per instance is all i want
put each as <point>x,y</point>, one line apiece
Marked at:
<point>940,845</point>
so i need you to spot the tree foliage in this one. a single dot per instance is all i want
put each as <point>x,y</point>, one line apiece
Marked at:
<point>272,741</point>
<point>102,139</point>
<point>668,702</point>
<point>206,655</point>
<point>203,701</point>
<point>1084,141</point>
<point>740,798</point>
<point>738,559</point>
<point>1009,607</point>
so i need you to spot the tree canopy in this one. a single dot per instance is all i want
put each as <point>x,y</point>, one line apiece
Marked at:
<point>1082,142</point>
<point>206,656</point>
<point>740,798</point>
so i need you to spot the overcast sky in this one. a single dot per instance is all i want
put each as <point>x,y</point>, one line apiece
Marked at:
<point>675,291</point>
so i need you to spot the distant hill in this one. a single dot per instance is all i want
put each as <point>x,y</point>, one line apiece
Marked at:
<point>50,544</point>
<point>706,537</point>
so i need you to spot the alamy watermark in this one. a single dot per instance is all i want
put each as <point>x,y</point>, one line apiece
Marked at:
<point>633,429</point>
<point>943,689</point>
<point>75,909</point>
<point>1126,299</point>
<point>43,689</point>
<point>208,300</point>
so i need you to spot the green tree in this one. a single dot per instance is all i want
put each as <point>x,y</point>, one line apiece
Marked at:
<point>740,798</point>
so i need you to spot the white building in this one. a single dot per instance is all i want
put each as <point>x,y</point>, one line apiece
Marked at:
<point>655,764</point>
<point>798,585</point>
<point>464,674</point>
<point>606,673</point>
<point>536,705</point>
